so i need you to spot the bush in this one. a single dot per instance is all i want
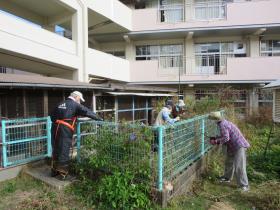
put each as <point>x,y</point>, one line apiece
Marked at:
<point>120,191</point>
<point>115,170</point>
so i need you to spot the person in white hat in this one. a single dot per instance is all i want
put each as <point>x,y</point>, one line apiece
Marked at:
<point>236,145</point>
<point>163,116</point>
<point>77,96</point>
<point>179,108</point>
<point>64,117</point>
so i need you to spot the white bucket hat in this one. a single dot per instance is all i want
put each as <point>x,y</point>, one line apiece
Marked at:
<point>181,103</point>
<point>215,116</point>
<point>77,93</point>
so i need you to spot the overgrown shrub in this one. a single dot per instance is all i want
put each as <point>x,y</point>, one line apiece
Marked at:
<point>115,171</point>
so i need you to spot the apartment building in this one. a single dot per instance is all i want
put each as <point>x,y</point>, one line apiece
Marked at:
<point>196,46</point>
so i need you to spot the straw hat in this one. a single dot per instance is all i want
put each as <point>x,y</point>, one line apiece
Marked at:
<point>216,116</point>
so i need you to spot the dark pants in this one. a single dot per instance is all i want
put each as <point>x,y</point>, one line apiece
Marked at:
<point>61,145</point>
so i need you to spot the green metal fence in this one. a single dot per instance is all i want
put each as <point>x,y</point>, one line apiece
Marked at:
<point>24,140</point>
<point>118,146</point>
<point>166,150</point>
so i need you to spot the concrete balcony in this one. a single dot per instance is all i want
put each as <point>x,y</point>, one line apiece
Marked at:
<point>113,10</point>
<point>198,16</point>
<point>22,43</point>
<point>233,70</point>
<point>100,64</point>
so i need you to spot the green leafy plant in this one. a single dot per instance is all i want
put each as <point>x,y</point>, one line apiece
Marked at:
<point>115,171</point>
<point>121,191</point>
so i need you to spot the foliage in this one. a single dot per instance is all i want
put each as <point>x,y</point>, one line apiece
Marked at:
<point>115,171</point>
<point>261,117</point>
<point>120,191</point>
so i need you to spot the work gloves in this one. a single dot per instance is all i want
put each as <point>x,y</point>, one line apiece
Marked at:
<point>213,141</point>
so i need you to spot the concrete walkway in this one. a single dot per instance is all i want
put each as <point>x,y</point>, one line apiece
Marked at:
<point>43,173</point>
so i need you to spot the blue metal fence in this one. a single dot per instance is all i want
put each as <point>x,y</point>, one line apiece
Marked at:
<point>169,149</point>
<point>24,140</point>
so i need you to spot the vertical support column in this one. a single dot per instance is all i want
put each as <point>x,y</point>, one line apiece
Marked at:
<point>25,111</point>
<point>4,146</point>
<point>202,137</point>
<point>78,141</point>
<point>80,37</point>
<point>94,102</point>
<point>147,111</point>
<point>129,51</point>
<point>254,46</point>
<point>49,137</point>
<point>160,157</point>
<point>133,108</point>
<point>116,109</point>
<point>46,102</point>
<point>253,101</point>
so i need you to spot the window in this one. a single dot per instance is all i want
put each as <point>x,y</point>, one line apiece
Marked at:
<point>211,58</point>
<point>171,11</point>
<point>270,48</point>
<point>209,10</point>
<point>3,70</point>
<point>169,56</point>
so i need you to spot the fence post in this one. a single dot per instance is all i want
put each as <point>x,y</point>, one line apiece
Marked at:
<point>160,157</point>
<point>4,145</point>
<point>202,136</point>
<point>49,137</point>
<point>78,141</point>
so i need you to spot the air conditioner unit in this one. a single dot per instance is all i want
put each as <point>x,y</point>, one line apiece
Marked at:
<point>276,105</point>
<point>239,48</point>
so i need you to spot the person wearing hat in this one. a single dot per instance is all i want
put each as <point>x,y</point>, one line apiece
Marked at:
<point>236,146</point>
<point>178,109</point>
<point>164,115</point>
<point>63,118</point>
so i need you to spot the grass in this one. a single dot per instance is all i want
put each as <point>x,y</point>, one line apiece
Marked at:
<point>263,173</point>
<point>25,193</point>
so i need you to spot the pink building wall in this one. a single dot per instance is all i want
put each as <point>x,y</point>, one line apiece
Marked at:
<point>238,69</point>
<point>238,14</point>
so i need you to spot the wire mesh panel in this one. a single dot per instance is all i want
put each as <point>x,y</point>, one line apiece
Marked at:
<point>111,146</point>
<point>155,154</point>
<point>25,140</point>
<point>184,143</point>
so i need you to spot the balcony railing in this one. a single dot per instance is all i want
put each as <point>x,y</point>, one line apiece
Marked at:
<point>170,65</point>
<point>171,13</point>
<point>209,64</point>
<point>270,53</point>
<point>200,11</point>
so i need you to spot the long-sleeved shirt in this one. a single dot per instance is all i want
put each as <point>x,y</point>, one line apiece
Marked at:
<point>69,109</point>
<point>231,137</point>
<point>163,117</point>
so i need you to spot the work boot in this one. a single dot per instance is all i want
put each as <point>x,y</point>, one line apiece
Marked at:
<point>62,171</point>
<point>54,172</point>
